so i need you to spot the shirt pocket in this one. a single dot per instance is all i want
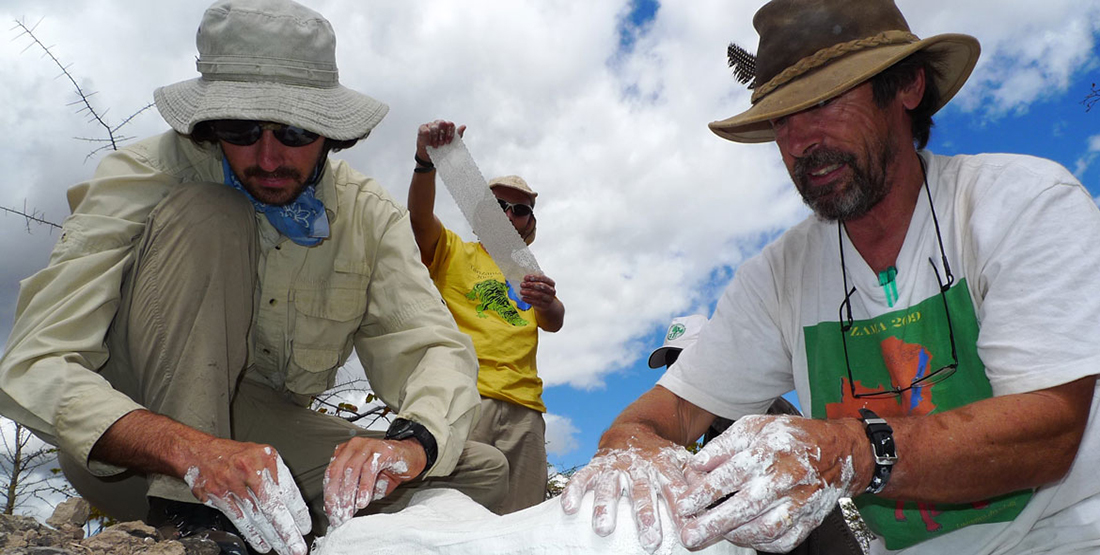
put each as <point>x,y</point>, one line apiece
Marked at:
<point>325,322</point>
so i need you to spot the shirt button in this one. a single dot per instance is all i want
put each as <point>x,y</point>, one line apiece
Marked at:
<point>272,302</point>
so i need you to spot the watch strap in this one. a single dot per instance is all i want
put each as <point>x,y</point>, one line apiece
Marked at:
<point>402,428</point>
<point>881,436</point>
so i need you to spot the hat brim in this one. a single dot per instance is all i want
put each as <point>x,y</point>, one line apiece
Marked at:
<point>336,113</point>
<point>659,357</point>
<point>837,77</point>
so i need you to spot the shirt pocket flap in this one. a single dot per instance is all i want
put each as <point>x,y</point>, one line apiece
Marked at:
<point>340,305</point>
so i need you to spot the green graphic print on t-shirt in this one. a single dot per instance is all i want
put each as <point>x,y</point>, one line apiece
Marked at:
<point>891,351</point>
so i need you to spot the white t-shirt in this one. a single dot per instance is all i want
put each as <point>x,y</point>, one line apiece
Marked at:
<point>1022,238</point>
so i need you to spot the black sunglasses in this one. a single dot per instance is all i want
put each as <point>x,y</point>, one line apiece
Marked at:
<point>845,316</point>
<point>520,210</point>
<point>242,132</point>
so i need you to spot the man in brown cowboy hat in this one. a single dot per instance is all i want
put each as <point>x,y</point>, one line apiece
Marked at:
<point>212,279</point>
<point>505,331</point>
<point>936,317</point>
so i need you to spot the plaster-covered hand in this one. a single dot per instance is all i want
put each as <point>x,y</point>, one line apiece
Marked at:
<point>538,291</point>
<point>365,469</point>
<point>786,474</point>
<point>435,134</point>
<point>250,484</point>
<point>642,472</point>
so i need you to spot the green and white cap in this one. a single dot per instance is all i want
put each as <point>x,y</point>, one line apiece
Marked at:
<point>682,332</point>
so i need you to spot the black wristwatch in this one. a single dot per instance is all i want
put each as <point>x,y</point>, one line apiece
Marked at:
<point>404,429</point>
<point>882,447</point>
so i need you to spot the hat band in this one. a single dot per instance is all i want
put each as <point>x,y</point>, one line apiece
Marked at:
<point>232,68</point>
<point>825,55</point>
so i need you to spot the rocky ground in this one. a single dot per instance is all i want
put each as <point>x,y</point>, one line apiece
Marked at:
<point>63,534</point>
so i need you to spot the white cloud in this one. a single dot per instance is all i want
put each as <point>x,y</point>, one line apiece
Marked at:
<point>639,202</point>
<point>560,434</point>
<point>1086,159</point>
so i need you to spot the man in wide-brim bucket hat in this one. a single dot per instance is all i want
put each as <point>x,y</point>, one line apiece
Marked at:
<point>248,76</point>
<point>930,315</point>
<point>208,285</point>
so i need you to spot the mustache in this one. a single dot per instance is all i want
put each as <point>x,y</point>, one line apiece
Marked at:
<point>819,158</point>
<point>282,172</point>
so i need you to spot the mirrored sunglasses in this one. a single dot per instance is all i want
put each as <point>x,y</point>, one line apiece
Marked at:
<point>247,132</point>
<point>519,210</point>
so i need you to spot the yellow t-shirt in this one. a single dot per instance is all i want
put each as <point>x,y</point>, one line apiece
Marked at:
<point>502,326</point>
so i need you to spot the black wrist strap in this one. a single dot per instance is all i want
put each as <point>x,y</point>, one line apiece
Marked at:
<point>885,453</point>
<point>422,165</point>
<point>405,429</point>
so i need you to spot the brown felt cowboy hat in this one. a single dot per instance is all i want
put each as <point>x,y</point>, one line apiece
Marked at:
<point>813,50</point>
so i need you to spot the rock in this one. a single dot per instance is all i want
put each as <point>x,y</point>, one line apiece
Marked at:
<point>21,535</point>
<point>72,511</point>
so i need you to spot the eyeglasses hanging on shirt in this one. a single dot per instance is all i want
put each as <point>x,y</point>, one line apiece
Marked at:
<point>846,322</point>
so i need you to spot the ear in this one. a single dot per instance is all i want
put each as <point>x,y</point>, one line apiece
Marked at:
<point>913,93</point>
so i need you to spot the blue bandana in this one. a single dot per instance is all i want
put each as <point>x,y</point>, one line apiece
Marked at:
<point>303,221</point>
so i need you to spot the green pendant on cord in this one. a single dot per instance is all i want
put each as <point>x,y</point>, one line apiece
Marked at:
<point>889,286</point>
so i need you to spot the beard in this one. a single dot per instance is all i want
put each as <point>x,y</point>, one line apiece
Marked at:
<point>847,199</point>
<point>273,197</point>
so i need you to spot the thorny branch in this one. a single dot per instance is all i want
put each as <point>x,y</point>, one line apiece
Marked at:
<point>84,103</point>
<point>35,216</point>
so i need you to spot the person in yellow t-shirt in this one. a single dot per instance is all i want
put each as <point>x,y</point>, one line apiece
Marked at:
<point>502,320</point>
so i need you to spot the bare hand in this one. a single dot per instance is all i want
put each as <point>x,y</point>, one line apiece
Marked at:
<point>364,469</point>
<point>250,484</point>
<point>435,134</point>
<point>785,473</point>
<point>538,291</point>
<point>642,472</point>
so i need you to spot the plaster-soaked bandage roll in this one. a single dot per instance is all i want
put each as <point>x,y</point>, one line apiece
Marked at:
<point>481,209</point>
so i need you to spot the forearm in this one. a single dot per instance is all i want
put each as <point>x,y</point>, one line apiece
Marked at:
<point>658,413</point>
<point>150,443</point>
<point>991,447</point>
<point>552,317</point>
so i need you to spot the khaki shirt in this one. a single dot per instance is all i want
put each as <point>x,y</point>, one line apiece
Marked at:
<point>364,288</point>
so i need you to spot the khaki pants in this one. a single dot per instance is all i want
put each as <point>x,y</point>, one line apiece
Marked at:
<point>519,433</point>
<point>179,346</point>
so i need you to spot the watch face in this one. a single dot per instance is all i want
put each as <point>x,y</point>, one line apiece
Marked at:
<point>402,429</point>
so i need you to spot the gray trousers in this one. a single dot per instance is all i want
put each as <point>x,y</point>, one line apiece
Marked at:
<point>179,346</point>
<point>519,433</point>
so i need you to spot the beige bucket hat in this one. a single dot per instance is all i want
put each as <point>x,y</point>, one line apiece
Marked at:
<point>268,60</point>
<point>813,50</point>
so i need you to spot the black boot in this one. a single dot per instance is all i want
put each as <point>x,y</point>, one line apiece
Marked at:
<point>181,521</point>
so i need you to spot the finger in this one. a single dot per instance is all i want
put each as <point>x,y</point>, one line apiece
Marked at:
<point>734,440</point>
<point>292,498</point>
<point>576,487</point>
<point>275,520</point>
<point>342,482</point>
<point>774,531</point>
<point>238,512</point>
<point>643,497</point>
<point>461,130</point>
<point>382,487</point>
<point>755,499</point>
<point>719,483</point>
<point>605,503</point>
<point>368,474</point>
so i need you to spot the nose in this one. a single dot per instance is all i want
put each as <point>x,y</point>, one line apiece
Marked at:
<point>269,151</point>
<point>798,133</point>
